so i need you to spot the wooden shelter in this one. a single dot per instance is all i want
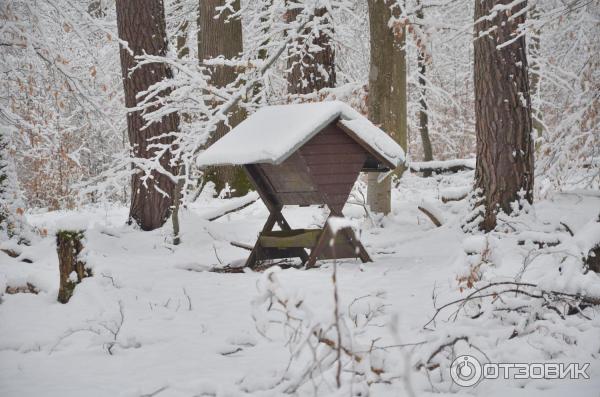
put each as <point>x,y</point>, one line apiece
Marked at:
<point>305,154</point>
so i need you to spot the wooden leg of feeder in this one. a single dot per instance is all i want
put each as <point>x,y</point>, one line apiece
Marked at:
<point>355,242</point>
<point>251,262</point>
<point>259,180</point>
<point>349,234</point>
<point>319,247</point>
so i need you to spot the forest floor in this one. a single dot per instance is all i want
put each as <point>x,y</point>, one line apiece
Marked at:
<point>153,321</point>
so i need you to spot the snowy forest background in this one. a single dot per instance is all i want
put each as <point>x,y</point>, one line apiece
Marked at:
<point>155,319</point>
<point>63,117</point>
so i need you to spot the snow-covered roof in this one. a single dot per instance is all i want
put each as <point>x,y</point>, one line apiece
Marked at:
<point>273,133</point>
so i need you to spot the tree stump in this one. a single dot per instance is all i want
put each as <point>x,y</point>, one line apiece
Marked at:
<point>592,260</point>
<point>72,269</point>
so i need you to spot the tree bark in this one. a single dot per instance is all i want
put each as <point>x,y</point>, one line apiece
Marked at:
<point>222,36</point>
<point>314,70</point>
<point>423,116</point>
<point>592,259</point>
<point>387,91</point>
<point>534,77</point>
<point>141,23</point>
<point>503,112</point>
<point>71,269</point>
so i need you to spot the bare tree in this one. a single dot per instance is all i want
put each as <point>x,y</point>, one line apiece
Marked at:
<point>141,24</point>
<point>387,90</point>
<point>504,170</point>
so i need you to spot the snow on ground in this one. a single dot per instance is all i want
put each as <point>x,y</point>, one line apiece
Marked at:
<point>153,321</point>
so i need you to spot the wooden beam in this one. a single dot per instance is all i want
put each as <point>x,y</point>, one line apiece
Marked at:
<point>319,247</point>
<point>251,262</point>
<point>304,238</point>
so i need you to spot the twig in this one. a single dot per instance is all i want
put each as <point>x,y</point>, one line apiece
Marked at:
<point>430,216</point>
<point>241,245</point>
<point>544,295</point>
<point>188,299</point>
<point>567,228</point>
<point>241,207</point>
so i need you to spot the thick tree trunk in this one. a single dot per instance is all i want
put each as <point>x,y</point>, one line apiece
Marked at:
<point>316,69</point>
<point>534,76</point>
<point>503,112</point>
<point>141,23</point>
<point>423,116</point>
<point>387,91</point>
<point>216,37</point>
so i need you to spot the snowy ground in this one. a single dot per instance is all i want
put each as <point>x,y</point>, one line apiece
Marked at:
<point>153,321</point>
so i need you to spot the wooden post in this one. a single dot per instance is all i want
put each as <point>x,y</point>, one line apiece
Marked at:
<point>72,269</point>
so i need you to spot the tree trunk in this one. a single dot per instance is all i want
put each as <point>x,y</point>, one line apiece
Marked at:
<point>315,70</point>
<point>503,112</point>
<point>222,36</point>
<point>592,258</point>
<point>423,116</point>
<point>71,269</point>
<point>387,91</point>
<point>141,23</point>
<point>534,77</point>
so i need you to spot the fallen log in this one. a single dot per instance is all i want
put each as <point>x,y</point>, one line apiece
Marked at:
<point>430,208</point>
<point>230,206</point>
<point>454,194</point>
<point>443,167</point>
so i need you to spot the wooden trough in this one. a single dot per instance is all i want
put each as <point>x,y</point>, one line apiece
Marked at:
<point>305,154</point>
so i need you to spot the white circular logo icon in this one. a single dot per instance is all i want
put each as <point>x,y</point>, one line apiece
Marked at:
<point>465,371</point>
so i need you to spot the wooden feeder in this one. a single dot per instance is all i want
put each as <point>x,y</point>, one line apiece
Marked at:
<point>305,154</point>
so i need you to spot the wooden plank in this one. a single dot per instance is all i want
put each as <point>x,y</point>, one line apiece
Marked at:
<point>267,253</point>
<point>335,179</point>
<point>297,238</point>
<point>300,198</point>
<point>305,238</point>
<point>348,148</point>
<point>337,158</point>
<point>324,138</point>
<point>352,169</point>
